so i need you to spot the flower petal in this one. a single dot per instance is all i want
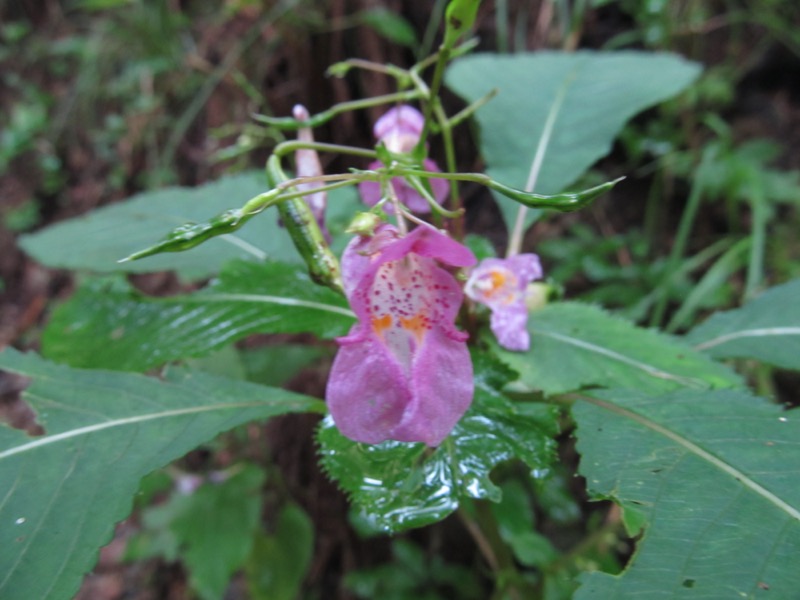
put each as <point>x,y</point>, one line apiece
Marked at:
<point>404,372</point>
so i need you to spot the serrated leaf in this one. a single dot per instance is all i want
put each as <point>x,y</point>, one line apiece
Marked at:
<point>578,345</point>
<point>64,491</point>
<point>114,327</point>
<point>559,112</point>
<point>401,485</point>
<point>96,241</point>
<point>712,478</point>
<point>767,329</point>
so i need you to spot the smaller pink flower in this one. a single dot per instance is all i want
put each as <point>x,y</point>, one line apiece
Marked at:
<point>501,284</point>
<point>399,129</point>
<point>404,372</point>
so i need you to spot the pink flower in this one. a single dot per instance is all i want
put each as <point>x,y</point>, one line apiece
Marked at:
<point>500,284</point>
<point>404,372</point>
<point>399,130</point>
<point>409,197</point>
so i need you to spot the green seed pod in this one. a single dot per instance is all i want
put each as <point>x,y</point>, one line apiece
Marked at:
<point>323,266</point>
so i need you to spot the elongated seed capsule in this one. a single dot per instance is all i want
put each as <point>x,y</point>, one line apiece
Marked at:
<point>323,266</point>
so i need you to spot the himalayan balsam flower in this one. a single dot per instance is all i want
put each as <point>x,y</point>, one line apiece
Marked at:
<point>501,285</point>
<point>399,130</point>
<point>404,372</point>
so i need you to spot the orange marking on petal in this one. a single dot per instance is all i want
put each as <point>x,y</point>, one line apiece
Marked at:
<point>418,325</point>
<point>381,324</point>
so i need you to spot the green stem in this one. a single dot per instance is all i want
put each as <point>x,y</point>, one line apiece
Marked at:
<point>760,216</point>
<point>290,146</point>
<point>678,249</point>
<point>290,124</point>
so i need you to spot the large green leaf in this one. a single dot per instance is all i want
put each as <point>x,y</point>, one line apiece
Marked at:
<point>767,328</point>
<point>63,492</point>
<point>96,241</point>
<point>712,479</point>
<point>108,325</point>
<point>400,485</point>
<point>557,113</point>
<point>578,345</point>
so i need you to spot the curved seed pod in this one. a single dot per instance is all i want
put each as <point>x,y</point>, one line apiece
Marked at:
<point>307,165</point>
<point>567,202</point>
<point>323,266</point>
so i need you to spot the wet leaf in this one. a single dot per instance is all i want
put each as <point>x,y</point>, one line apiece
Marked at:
<point>400,485</point>
<point>109,325</point>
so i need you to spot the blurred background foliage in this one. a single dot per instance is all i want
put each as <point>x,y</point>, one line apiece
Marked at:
<point>100,99</point>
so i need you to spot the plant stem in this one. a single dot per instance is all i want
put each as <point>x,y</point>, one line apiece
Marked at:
<point>678,249</point>
<point>760,216</point>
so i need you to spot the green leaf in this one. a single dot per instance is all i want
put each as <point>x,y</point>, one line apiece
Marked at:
<point>65,490</point>
<point>557,113</point>
<point>401,485</point>
<point>109,325</point>
<point>391,26</point>
<point>767,329</point>
<point>712,477</point>
<point>278,563</point>
<point>578,345</point>
<point>96,241</point>
<point>230,513</point>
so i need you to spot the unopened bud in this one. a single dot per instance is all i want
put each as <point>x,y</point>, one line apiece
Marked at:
<point>364,224</point>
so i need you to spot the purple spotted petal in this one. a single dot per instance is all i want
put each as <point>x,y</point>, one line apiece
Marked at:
<point>501,284</point>
<point>404,372</point>
<point>510,326</point>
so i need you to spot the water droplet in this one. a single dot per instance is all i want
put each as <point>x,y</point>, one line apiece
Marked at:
<point>20,521</point>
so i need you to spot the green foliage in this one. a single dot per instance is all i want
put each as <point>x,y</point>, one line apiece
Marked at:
<point>109,325</point>
<point>103,432</point>
<point>767,329</point>
<point>210,529</point>
<point>575,345</point>
<point>390,25</point>
<point>96,242</point>
<point>541,132</point>
<point>710,477</point>
<point>399,485</point>
<point>414,575</point>
<point>279,561</point>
